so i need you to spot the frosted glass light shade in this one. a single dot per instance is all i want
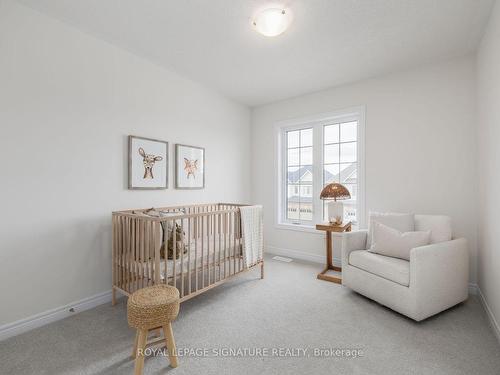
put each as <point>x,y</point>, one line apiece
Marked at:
<point>272,21</point>
<point>335,212</point>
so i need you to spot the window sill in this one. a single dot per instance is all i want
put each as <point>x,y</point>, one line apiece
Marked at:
<point>297,228</point>
<point>306,228</point>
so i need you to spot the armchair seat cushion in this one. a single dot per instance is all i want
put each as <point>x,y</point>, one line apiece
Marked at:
<point>393,269</point>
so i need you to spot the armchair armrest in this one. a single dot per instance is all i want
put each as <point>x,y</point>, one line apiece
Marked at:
<point>353,241</point>
<point>439,274</point>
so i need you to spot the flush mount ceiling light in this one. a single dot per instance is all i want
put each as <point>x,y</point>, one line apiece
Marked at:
<point>272,21</point>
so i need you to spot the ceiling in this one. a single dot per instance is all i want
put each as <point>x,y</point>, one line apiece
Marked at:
<point>329,43</point>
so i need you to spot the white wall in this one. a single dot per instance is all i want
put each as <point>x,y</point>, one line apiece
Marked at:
<point>420,148</point>
<point>67,103</point>
<point>488,163</point>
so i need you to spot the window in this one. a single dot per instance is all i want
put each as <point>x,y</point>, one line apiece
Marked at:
<point>299,160</point>
<point>340,142</point>
<point>313,153</point>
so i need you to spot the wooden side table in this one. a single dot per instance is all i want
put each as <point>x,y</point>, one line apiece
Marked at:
<point>329,228</point>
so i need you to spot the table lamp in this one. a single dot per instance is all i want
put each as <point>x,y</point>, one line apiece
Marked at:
<point>336,192</point>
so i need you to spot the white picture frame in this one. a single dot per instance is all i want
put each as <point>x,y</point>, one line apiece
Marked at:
<point>147,163</point>
<point>189,167</point>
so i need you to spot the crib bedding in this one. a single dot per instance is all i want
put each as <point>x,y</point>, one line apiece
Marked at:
<point>193,258</point>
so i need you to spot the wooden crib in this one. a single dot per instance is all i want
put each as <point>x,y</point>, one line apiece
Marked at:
<point>203,241</point>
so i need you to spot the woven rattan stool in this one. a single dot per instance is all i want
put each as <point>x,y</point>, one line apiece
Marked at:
<point>152,308</point>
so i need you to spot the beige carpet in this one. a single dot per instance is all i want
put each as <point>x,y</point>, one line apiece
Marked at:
<point>290,309</point>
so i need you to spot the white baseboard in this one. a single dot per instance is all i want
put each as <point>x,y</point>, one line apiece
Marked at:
<point>473,289</point>
<point>493,322</point>
<point>300,255</point>
<point>38,320</point>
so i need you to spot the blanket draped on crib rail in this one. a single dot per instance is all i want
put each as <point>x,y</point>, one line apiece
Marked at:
<point>252,233</point>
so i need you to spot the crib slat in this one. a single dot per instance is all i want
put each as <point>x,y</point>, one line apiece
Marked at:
<point>226,262</point>
<point>234,242</point>
<point>137,254</point>
<point>165,250</point>
<point>203,251</point>
<point>152,246</point>
<point>130,255</point>
<point>209,233</point>
<point>235,234</point>
<point>141,250</point>
<point>144,254</point>
<point>206,260</point>
<point>220,249</point>
<point>214,249</point>
<point>196,242</point>
<point>174,251</point>
<point>206,265</point>
<point>147,255</point>
<point>207,242</point>
<point>139,263</point>
<point>182,257</point>
<point>122,251</point>
<point>124,254</point>
<point>230,226</point>
<point>124,246</point>
<point>118,250</point>
<point>240,237</point>
<point>127,255</point>
<point>152,251</point>
<point>130,237</point>
<point>157,246</point>
<point>189,255</point>
<point>229,242</point>
<point>131,260</point>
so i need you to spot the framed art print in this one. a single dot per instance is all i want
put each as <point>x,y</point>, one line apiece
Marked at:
<point>147,163</point>
<point>189,167</point>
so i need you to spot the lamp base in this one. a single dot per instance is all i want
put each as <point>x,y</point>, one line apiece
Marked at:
<point>335,212</point>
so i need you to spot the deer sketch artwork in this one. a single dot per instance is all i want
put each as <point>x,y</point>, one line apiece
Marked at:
<point>190,167</point>
<point>149,161</point>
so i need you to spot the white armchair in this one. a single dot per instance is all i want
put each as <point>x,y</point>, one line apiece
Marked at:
<point>435,278</point>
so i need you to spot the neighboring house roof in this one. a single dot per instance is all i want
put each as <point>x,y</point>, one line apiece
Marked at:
<point>349,174</point>
<point>297,176</point>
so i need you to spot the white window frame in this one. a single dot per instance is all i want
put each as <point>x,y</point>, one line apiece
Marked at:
<point>317,122</point>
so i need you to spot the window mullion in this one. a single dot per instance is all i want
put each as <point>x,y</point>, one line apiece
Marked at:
<point>317,172</point>
<point>284,202</point>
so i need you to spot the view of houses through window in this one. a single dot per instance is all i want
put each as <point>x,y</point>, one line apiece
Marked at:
<point>300,176</point>
<point>338,164</point>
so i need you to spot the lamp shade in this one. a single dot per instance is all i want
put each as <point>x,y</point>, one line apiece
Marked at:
<point>335,191</point>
